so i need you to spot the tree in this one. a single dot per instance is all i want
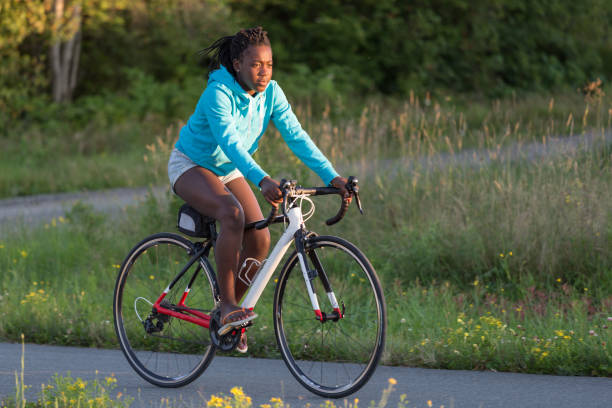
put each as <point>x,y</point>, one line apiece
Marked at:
<point>65,48</point>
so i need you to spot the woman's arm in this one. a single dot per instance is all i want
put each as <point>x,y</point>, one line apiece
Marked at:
<point>218,110</point>
<point>298,140</point>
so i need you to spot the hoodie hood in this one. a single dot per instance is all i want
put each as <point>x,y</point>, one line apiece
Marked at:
<point>223,76</point>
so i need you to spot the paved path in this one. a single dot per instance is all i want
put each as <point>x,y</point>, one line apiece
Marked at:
<point>34,210</point>
<point>262,379</point>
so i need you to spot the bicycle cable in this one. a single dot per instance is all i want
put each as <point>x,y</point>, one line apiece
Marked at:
<point>306,216</point>
<point>136,309</point>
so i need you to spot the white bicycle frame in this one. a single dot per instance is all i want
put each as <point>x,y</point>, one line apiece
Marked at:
<point>265,273</point>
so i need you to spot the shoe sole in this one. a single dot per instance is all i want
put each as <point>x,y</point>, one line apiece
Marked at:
<point>226,328</point>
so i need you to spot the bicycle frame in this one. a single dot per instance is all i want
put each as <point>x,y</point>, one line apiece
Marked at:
<point>263,276</point>
<point>193,316</point>
<point>267,270</point>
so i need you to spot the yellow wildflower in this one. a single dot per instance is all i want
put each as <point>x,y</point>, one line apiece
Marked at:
<point>392,381</point>
<point>215,401</point>
<point>276,400</point>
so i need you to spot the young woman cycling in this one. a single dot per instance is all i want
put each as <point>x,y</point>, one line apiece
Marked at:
<point>212,157</point>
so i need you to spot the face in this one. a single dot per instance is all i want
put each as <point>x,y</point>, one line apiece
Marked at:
<point>254,68</point>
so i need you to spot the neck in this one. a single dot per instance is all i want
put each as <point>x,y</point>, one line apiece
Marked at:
<point>251,92</point>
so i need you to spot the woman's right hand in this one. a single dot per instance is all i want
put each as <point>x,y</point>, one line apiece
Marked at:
<point>271,191</point>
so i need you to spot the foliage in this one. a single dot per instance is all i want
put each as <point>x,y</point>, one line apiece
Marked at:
<point>123,41</point>
<point>22,60</point>
<point>396,46</point>
<point>353,47</point>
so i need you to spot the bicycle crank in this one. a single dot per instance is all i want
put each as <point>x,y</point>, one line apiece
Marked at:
<point>227,342</point>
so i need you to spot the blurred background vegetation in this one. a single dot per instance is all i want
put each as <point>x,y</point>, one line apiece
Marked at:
<point>82,51</point>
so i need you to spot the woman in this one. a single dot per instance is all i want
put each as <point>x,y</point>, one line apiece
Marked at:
<point>212,158</point>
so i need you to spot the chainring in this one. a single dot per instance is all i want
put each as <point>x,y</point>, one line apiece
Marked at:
<point>227,342</point>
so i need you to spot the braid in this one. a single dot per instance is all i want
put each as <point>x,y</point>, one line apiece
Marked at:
<point>226,49</point>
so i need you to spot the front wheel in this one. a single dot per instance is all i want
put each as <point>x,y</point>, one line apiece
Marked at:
<point>164,350</point>
<point>332,354</point>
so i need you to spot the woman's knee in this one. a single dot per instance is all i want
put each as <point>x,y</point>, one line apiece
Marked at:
<point>259,240</point>
<point>231,216</point>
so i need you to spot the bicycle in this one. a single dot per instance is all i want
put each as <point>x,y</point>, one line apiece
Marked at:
<point>170,344</point>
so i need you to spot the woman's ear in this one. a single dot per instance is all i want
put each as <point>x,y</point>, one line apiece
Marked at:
<point>236,65</point>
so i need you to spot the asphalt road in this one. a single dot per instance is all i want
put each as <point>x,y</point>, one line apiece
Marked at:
<point>262,379</point>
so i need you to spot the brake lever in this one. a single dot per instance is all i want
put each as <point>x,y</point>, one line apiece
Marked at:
<point>353,188</point>
<point>358,201</point>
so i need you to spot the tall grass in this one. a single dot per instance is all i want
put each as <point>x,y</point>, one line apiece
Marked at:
<point>104,137</point>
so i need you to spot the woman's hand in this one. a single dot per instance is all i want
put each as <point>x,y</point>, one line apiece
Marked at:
<point>271,191</point>
<point>340,183</point>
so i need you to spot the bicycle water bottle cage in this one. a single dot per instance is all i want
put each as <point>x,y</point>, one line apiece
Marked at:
<point>194,224</point>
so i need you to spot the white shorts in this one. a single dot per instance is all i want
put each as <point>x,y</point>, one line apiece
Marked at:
<point>179,163</point>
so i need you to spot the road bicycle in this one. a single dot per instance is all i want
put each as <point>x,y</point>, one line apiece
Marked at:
<point>166,298</point>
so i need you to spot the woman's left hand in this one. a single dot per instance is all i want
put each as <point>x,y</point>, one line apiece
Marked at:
<point>340,183</point>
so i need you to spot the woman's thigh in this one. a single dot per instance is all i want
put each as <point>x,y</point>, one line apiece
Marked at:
<point>243,193</point>
<point>203,190</point>
<point>257,241</point>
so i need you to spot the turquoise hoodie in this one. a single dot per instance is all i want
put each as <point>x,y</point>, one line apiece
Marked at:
<point>224,131</point>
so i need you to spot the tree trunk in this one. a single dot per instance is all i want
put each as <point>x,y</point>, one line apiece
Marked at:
<point>65,50</point>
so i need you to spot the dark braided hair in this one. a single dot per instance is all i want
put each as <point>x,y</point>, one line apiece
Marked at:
<point>226,49</point>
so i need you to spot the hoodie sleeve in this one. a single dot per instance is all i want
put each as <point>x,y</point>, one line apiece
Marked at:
<point>298,140</point>
<point>217,107</point>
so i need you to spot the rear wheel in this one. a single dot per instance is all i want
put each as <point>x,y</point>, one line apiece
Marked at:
<point>336,357</point>
<point>164,350</point>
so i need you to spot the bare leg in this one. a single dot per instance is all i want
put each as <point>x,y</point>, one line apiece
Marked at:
<point>203,190</point>
<point>256,243</point>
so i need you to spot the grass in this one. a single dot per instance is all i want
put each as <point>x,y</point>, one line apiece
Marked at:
<point>59,282</point>
<point>106,138</point>
<point>504,266</point>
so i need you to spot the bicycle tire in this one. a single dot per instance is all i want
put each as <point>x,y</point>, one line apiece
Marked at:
<point>178,353</point>
<point>344,352</point>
